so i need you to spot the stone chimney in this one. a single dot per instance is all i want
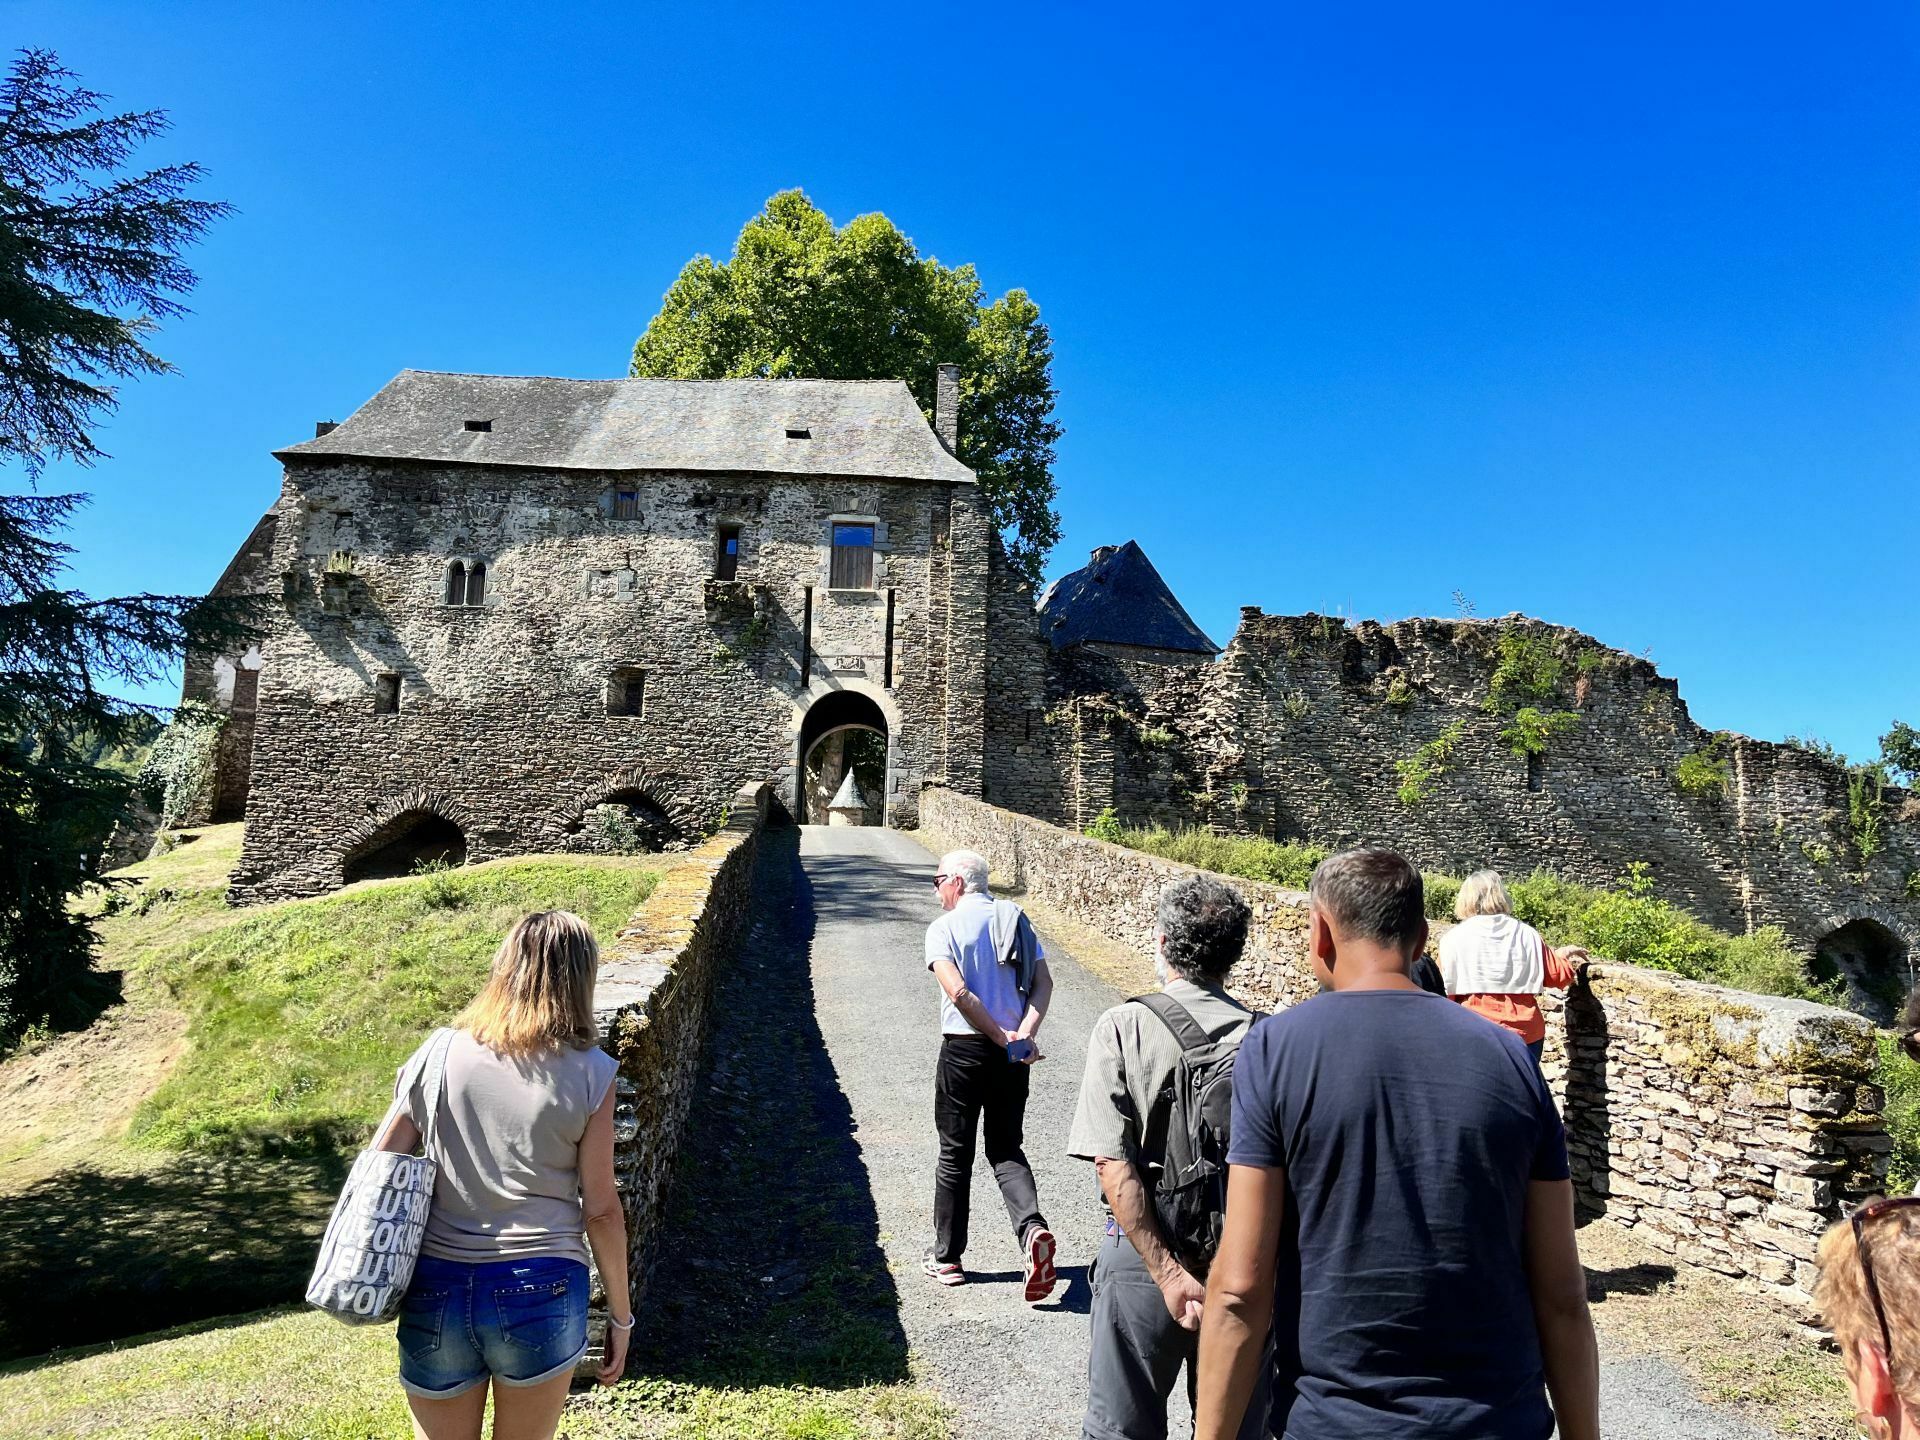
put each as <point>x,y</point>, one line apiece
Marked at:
<point>946,407</point>
<point>324,427</point>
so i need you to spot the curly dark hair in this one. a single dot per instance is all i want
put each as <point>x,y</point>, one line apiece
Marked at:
<point>1205,925</point>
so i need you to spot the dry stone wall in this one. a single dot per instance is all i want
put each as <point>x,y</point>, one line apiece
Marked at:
<point>1726,1129</point>
<point>652,1005</point>
<point>1296,732</point>
<point>502,722</point>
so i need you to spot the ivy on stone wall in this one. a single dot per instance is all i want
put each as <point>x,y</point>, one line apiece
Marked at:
<point>1866,809</point>
<point>1529,685</point>
<point>1420,771</point>
<point>178,777</point>
<point>1531,728</point>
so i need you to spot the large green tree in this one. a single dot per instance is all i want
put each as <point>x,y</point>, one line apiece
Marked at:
<point>89,261</point>
<point>803,298</point>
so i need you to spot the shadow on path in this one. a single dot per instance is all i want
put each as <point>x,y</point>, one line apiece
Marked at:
<point>770,1270</point>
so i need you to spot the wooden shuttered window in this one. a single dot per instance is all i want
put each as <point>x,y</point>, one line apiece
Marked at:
<point>852,557</point>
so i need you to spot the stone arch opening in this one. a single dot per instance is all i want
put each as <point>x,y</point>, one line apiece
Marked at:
<point>626,821</point>
<point>844,733</point>
<point>403,844</point>
<point>1873,960</point>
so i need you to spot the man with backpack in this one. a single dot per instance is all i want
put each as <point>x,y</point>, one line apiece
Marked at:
<point>1154,1112</point>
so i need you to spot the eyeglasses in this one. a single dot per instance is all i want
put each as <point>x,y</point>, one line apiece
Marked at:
<point>940,880</point>
<point>1874,1210</point>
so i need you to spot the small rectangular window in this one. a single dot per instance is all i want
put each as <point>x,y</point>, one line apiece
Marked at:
<point>726,560</point>
<point>246,691</point>
<point>626,504</point>
<point>482,427</point>
<point>386,694</point>
<point>627,691</point>
<point>799,434</point>
<point>852,558</point>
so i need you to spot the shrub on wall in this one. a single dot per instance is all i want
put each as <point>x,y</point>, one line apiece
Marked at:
<point>1531,728</point>
<point>1704,772</point>
<point>179,774</point>
<point>1900,1078</point>
<point>1106,826</point>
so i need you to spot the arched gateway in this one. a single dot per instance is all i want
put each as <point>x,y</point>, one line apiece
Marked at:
<point>843,731</point>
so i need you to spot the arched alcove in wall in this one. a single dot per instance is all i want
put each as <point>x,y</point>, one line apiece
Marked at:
<point>844,730</point>
<point>1874,961</point>
<point>403,844</point>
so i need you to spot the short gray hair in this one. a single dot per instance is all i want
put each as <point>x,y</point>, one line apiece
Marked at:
<point>1204,925</point>
<point>1371,893</point>
<point>970,867</point>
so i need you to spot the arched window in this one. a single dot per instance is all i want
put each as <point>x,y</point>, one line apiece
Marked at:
<point>466,582</point>
<point>456,583</point>
<point>477,583</point>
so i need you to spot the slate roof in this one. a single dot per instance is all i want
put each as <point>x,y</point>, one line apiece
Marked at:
<point>1119,599</point>
<point>857,427</point>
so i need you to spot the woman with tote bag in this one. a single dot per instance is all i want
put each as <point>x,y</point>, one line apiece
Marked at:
<point>522,1139</point>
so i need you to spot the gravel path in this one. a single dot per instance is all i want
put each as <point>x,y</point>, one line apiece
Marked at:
<point>1008,1368</point>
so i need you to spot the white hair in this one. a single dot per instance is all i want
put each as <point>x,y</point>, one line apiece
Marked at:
<point>971,868</point>
<point>1482,893</point>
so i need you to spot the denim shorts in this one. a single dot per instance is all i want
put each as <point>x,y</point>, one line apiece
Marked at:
<point>519,1321</point>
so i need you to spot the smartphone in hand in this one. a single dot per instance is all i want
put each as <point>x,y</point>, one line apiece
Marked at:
<point>1020,1051</point>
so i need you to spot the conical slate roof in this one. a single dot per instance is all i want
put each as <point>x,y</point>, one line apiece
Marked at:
<point>1119,599</point>
<point>849,796</point>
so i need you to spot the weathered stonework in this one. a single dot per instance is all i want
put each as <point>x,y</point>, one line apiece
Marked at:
<point>1295,732</point>
<point>501,723</point>
<point>1727,1129</point>
<point>652,1004</point>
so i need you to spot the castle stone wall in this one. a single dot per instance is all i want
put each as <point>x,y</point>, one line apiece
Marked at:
<point>1726,1129</point>
<point>1296,731</point>
<point>653,1005</point>
<point>502,724</point>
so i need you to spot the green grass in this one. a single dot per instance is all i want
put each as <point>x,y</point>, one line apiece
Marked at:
<point>1626,922</point>
<point>300,1014</point>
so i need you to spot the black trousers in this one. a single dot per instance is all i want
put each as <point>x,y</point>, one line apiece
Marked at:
<point>976,1087</point>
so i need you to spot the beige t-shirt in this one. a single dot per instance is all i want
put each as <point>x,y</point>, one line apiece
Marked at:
<point>507,1143</point>
<point>1131,1057</point>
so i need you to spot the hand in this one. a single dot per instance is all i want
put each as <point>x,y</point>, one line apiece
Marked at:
<point>615,1365</point>
<point>1183,1296</point>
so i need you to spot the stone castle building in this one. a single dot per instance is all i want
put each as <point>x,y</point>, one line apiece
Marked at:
<point>504,607</point>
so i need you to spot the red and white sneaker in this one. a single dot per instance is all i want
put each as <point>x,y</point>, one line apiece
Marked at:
<point>1041,1277</point>
<point>946,1272</point>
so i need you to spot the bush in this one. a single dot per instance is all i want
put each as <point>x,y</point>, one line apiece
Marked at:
<point>1900,1077</point>
<point>1106,826</point>
<point>1250,857</point>
<point>1531,729</point>
<point>1703,773</point>
<point>1441,892</point>
<point>1419,771</point>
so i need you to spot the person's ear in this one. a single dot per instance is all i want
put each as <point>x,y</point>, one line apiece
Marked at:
<point>1320,938</point>
<point>1872,1385</point>
<point>1420,942</point>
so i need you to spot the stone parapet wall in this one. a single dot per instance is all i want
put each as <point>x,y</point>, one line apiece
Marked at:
<point>652,1005</point>
<point>1728,1130</point>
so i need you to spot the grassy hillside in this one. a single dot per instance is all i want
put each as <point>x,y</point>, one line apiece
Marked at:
<point>179,1159</point>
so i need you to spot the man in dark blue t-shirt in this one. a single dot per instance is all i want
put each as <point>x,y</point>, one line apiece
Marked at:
<point>1399,1208</point>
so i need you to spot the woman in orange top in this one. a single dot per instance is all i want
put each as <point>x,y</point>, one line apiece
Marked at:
<point>1497,966</point>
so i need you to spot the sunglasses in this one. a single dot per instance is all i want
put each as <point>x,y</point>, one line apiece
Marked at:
<point>1874,1210</point>
<point>940,880</point>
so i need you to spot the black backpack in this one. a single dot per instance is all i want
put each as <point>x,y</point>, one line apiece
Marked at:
<point>1190,1189</point>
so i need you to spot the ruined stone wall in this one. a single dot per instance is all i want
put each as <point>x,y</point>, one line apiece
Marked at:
<point>1726,1129</point>
<point>226,682</point>
<point>502,724</point>
<point>1296,731</point>
<point>652,1005</point>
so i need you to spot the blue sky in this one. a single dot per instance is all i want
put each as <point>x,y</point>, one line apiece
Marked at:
<point>1602,313</point>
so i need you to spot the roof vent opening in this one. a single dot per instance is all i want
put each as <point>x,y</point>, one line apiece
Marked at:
<point>484,427</point>
<point>793,434</point>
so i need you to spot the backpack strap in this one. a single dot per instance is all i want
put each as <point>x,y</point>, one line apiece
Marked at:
<point>1177,1018</point>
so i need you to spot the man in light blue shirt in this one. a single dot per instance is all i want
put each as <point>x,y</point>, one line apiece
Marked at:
<point>980,950</point>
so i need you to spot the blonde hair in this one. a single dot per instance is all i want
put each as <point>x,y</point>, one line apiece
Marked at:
<point>1893,1244</point>
<point>1482,893</point>
<point>540,994</point>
